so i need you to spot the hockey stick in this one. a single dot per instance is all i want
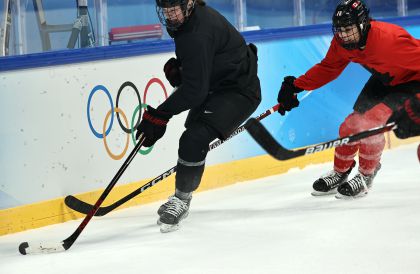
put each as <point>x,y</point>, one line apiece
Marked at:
<point>272,147</point>
<point>30,248</point>
<point>83,207</point>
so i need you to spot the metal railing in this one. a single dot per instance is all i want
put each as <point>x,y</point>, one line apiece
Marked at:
<point>6,22</point>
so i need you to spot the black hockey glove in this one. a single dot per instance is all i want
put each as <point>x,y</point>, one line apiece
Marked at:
<point>172,71</point>
<point>407,119</point>
<point>287,97</point>
<point>152,125</point>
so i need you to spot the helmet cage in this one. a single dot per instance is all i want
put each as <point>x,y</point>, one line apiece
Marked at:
<point>173,13</point>
<point>347,14</point>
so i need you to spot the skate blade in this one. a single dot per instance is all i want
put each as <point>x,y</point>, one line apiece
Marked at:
<point>345,197</point>
<point>166,228</point>
<point>158,222</point>
<point>320,193</point>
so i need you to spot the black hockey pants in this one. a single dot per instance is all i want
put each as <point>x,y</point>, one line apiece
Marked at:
<point>217,118</point>
<point>224,110</point>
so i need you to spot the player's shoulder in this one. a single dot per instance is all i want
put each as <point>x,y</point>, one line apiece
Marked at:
<point>385,29</point>
<point>197,29</point>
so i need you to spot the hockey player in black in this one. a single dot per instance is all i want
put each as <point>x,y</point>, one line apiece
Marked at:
<point>216,75</point>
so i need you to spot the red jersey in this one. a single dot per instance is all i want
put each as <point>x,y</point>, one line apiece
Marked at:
<point>391,53</point>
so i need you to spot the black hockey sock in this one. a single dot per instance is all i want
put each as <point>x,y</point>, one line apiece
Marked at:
<point>183,195</point>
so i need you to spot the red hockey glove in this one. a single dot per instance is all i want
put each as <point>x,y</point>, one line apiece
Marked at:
<point>152,125</point>
<point>172,71</point>
<point>287,97</point>
<point>408,118</point>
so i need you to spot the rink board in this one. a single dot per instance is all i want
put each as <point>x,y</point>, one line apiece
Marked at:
<point>54,119</point>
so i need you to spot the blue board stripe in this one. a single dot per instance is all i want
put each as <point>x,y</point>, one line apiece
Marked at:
<point>62,57</point>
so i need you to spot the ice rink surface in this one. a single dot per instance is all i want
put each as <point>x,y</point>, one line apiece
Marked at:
<point>270,225</point>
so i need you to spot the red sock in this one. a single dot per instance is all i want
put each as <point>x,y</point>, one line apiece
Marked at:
<point>370,153</point>
<point>344,155</point>
<point>371,148</point>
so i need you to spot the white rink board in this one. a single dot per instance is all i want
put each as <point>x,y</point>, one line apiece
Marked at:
<point>47,148</point>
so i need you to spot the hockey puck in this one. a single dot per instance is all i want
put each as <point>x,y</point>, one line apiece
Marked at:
<point>22,248</point>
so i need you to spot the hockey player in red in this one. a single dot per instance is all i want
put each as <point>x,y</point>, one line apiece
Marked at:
<point>393,57</point>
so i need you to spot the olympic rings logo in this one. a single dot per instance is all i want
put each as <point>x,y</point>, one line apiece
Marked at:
<point>129,130</point>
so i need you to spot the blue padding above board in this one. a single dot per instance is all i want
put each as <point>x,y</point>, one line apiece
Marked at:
<point>62,57</point>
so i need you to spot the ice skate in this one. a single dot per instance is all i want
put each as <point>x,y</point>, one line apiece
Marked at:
<point>357,187</point>
<point>327,184</point>
<point>172,213</point>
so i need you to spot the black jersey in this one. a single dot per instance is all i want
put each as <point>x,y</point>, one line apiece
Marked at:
<point>213,56</point>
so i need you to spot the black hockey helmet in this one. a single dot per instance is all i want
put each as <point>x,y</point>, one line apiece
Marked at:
<point>349,13</point>
<point>173,13</point>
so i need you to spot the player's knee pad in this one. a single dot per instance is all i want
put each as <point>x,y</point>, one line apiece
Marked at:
<point>194,142</point>
<point>351,124</point>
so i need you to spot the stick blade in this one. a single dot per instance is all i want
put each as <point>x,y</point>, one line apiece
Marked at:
<point>26,248</point>
<point>81,206</point>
